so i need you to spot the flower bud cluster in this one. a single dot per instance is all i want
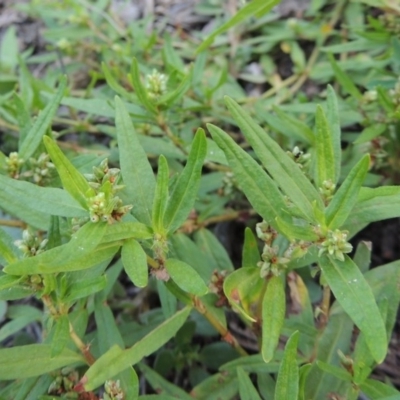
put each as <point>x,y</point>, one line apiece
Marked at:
<point>156,84</point>
<point>13,165</point>
<point>336,244</point>
<point>39,170</point>
<point>30,244</point>
<point>271,262</point>
<point>103,202</point>
<point>300,158</point>
<point>113,391</point>
<point>64,383</point>
<point>229,183</point>
<point>327,190</point>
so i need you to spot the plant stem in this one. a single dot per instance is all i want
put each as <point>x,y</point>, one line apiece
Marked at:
<point>84,348</point>
<point>221,329</point>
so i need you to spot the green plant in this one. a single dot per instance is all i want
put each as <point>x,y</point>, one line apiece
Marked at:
<point>106,213</point>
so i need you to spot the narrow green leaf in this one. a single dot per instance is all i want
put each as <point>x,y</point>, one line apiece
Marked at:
<point>169,302</point>
<point>32,360</point>
<point>243,288</point>
<point>344,79</point>
<point>377,390</point>
<point>325,157</point>
<point>161,386</point>
<point>246,389</point>
<point>8,250</point>
<point>293,125</point>
<point>273,316</point>
<point>355,296</point>
<point>216,387</point>
<point>251,253</point>
<point>72,180</point>
<point>80,253</point>
<point>287,382</point>
<point>370,132</point>
<point>8,281</point>
<point>85,288</point>
<point>303,373</point>
<point>140,90</point>
<point>127,230</point>
<point>172,97</point>
<point>345,198</point>
<point>16,325</point>
<point>210,245</point>
<point>255,7</point>
<point>116,359</point>
<point>136,170</point>
<point>332,116</point>
<point>373,205</point>
<point>61,336</point>
<point>340,373</point>
<point>52,201</point>
<point>295,231</point>
<point>259,188</point>
<point>186,277</point>
<point>134,260</point>
<point>161,195</point>
<point>362,256</point>
<point>185,190</point>
<point>34,137</point>
<point>279,165</point>
<point>114,85</point>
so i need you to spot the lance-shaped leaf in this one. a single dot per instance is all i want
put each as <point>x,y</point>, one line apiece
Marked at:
<point>61,336</point>
<point>250,254</point>
<point>161,195</point>
<point>279,165</point>
<point>134,260</point>
<point>289,125</point>
<point>346,197</point>
<point>347,84</point>
<point>34,137</point>
<point>355,296</point>
<point>9,253</point>
<point>287,382</point>
<point>243,288</point>
<point>52,201</point>
<point>116,360</point>
<point>273,316</point>
<point>259,188</point>
<point>140,90</point>
<point>72,180</point>
<point>332,116</point>
<point>126,230</point>
<point>373,205</point>
<point>32,360</point>
<point>78,253</point>
<point>186,277</point>
<point>172,97</point>
<point>247,391</point>
<point>184,193</point>
<point>323,144</point>
<point>136,170</point>
<point>256,7</point>
<point>295,231</point>
<point>163,387</point>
